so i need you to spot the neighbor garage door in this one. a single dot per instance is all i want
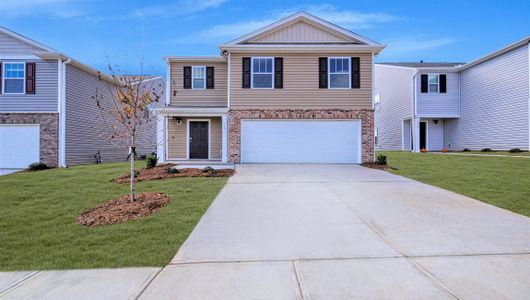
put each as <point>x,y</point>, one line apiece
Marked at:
<point>19,146</point>
<point>300,141</point>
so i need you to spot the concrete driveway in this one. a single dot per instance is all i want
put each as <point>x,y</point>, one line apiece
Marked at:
<point>343,232</point>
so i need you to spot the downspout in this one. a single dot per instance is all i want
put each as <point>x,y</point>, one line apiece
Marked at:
<point>414,124</point>
<point>62,112</point>
<point>373,107</point>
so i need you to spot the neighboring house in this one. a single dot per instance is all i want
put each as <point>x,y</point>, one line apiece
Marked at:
<point>298,90</point>
<point>47,110</point>
<point>482,104</point>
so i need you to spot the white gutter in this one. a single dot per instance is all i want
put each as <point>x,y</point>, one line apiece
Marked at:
<point>62,111</point>
<point>168,81</point>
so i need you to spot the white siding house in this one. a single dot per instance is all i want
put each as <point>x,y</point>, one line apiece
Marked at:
<point>483,104</point>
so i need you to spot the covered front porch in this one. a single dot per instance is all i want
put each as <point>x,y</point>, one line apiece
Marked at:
<point>423,133</point>
<point>192,135</point>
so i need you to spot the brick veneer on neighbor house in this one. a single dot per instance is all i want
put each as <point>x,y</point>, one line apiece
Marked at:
<point>365,115</point>
<point>49,128</point>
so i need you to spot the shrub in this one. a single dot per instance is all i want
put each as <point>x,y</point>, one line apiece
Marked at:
<point>466,150</point>
<point>444,150</point>
<point>486,150</point>
<point>37,166</point>
<point>381,160</point>
<point>208,169</point>
<point>516,150</point>
<point>172,171</point>
<point>151,161</point>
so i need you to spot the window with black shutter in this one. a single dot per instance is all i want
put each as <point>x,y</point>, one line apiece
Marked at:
<point>278,72</point>
<point>209,77</point>
<point>187,77</point>
<point>323,72</point>
<point>30,78</point>
<point>424,83</point>
<point>246,72</point>
<point>355,73</point>
<point>443,83</point>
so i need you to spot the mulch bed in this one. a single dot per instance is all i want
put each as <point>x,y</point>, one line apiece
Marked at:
<point>121,209</point>
<point>160,172</point>
<point>374,165</point>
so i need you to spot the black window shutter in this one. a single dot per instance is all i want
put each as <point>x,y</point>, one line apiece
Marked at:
<point>278,72</point>
<point>0,78</point>
<point>246,72</point>
<point>355,73</point>
<point>209,77</point>
<point>30,78</point>
<point>187,77</point>
<point>424,83</point>
<point>443,83</point>
<point>322,72</point>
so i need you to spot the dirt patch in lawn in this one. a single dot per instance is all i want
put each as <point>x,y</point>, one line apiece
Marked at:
<point>374,165</point>
<point>122,209</point>
<point>161,172</point>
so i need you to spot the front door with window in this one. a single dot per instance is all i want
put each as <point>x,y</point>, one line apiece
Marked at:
<point>198,140</point>
<point>423,135</point>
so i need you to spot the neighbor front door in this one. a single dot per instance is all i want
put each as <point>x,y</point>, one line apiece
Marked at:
<point>423,135</point>
<point>198,140</point>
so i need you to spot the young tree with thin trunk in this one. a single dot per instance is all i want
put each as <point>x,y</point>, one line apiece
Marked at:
<point>123,106</point>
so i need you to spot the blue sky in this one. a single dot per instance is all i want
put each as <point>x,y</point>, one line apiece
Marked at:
<point>127,32</point>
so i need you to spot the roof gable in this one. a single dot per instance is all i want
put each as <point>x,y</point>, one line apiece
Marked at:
<point>302,28</point>
<point>14,43</point>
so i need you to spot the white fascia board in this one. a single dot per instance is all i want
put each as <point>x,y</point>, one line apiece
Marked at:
<point>438,69</point>
<point>194,59</point>
<point>302,48</point>
<point>492,55</point>
<point>198,111</point>
<point>16,57</point>
<point>394,66</point>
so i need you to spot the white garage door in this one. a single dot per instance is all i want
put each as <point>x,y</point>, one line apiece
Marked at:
<point>19,146</point>
<point>300,141</point>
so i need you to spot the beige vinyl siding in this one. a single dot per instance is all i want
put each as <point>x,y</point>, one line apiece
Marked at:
<point>299,32</point>
<point>300,85</point>
<point>216,97</point>
<point>177,138</point>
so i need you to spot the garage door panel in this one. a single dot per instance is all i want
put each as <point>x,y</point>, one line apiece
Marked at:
<point>303,141</point>
<point>19,146</point>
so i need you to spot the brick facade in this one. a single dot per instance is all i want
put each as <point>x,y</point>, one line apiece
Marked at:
<point>49,132</point>
<point>365,115</point>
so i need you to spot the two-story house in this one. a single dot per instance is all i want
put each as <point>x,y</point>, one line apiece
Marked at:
<point>299,90</point>
<point>47,110</point>
<point>482,104</point>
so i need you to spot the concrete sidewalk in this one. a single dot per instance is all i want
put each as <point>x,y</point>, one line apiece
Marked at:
<point>321,232</point>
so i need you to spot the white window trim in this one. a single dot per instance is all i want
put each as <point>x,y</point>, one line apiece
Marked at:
<point>188,137</point>
<point>193,77</point>
<point>252,73</point>
<point>429,84</point>
<point>4,77</point>
<point>329,73</point>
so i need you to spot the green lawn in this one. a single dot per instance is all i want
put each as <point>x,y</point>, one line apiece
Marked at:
<point>524,153</point>
<point>500,181</point>
<point>38,215</point>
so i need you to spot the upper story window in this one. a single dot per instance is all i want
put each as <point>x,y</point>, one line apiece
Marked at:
<point>262,73</point>
<point>434,83</point>
<point>14,78</point>
<point>339,73</point>
<point>198,79</point>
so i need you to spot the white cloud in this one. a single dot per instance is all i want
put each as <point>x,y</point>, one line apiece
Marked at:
<point>179,8</point>
<point>346,18</point>
<point>56,8</point>
<point>416,45</point>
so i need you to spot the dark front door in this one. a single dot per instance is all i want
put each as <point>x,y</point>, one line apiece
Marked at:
<point>199,140</point>
<point>423,135</point>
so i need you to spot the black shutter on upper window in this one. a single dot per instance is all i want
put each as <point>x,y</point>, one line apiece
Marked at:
<point>209,77</point>
<point>424,83</point>
<point>187,77</point>
<point>30,78</point>
<point>0,78</point>
<point>278,72</point>
<point>443,83</point>
<point>355,73</point>
<point>246,72</point>
<point>323,72</point>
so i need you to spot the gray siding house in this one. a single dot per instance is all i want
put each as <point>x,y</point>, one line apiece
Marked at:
<point>482,104</point>
<point>47,112</point>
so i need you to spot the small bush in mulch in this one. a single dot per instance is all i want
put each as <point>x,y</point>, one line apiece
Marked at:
<point>515,150</point>
<point>466,150</point>
<point>164,172</point>
<point>375,165</point>
<point>381,160</point>
<point>37,166</point>
<point>122,209</point>
<point>486,150</point>
<point>151,161</point>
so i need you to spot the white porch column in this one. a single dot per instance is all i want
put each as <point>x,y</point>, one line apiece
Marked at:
<point>416,134</point>
<point>224,128</point>
<point>161,121</point>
